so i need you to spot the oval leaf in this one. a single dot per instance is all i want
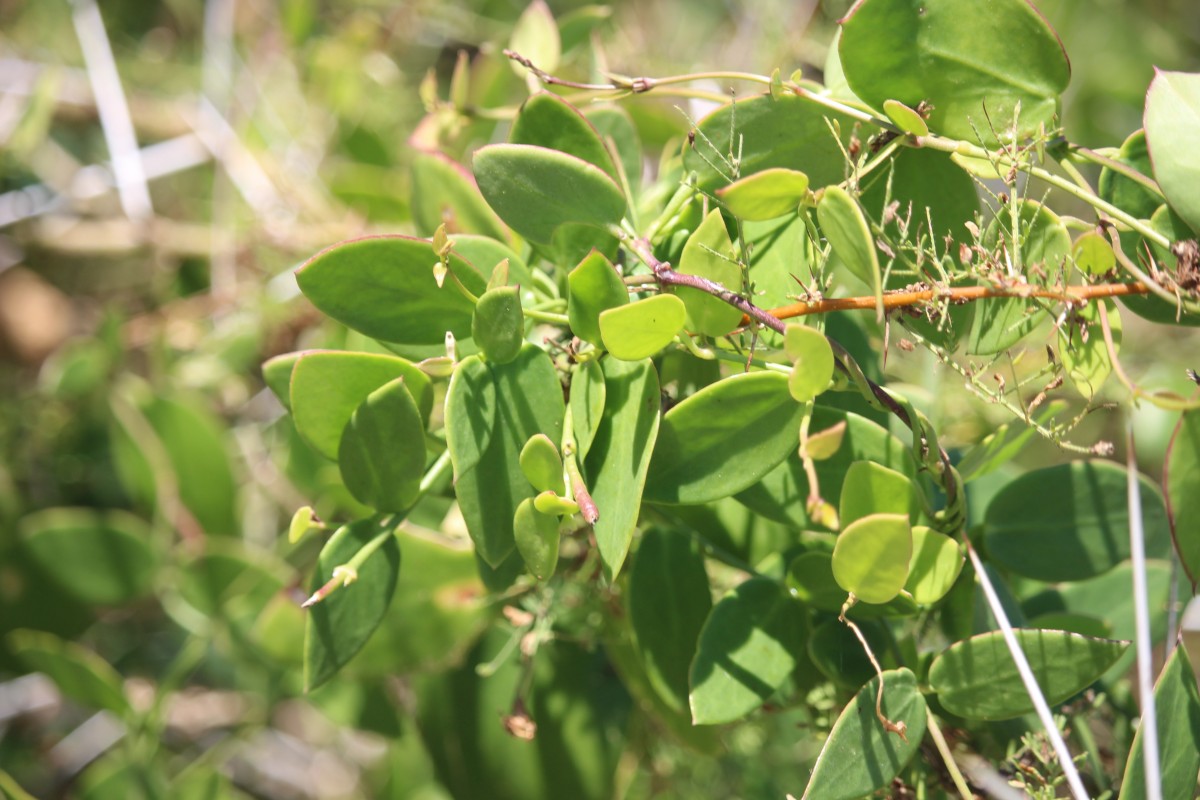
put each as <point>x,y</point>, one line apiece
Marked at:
<point>905,118</point>
<point>593,287</point>
<point>499,324</point>
<point>78,673</point>
<point>536,535</point>
<point>1181,477</point>
<point>844,225</point>
<point>542,464</point>
<point>747,649</point>
<point>958,56</point>
<point>384,287</point>
<point>723,439</point>
<point>977,678</point>
<point>765,195</point>
<point>1070,521</point>
<point>859,756</point>
<point>546,120</point>
<point>382,450</point>
<point>444,193</point>
<point>936,562</point>
<point>1172,119</point>
<point>470,413</point>
<point>639,330</point>
<point>812,358</point>
<point>327,386</point>
<point>102,558</point>
<point>588,397</point>
<point>1177,706</point>
<point>871,488</point>
<point>340,625</point>
<point>537,190</point>
<point>871,557</point>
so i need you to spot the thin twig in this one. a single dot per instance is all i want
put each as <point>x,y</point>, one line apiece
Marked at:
<point>899,728</point>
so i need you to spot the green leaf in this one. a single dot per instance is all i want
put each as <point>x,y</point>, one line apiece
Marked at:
<point>1043,241</point>
<point>101,557</point>
<point>845,226</point>
<point>78,673</point>
<point>1149,306</point>
<point>528,401</point>
<point>341,624</point>
<point>537,190</point>
<point>1093,254</point>
<point>810,579</point>
<point>977,678</point>
<point>555,505</point>
<point>668,601</point>
<point>1181,477</point>
<point>1172,119</point>
<point>747,649</point>
<point>1177,706</point>
<point>779,250</point>
<point>470,413</point>
<point>1083,350</point>
<point>783,492</point>
<point>765,195</point>
<point>1124,193</point>
<point>859,756</point>
<point>812,360</point>
<point>588,398</point>
<point>723,439</point>
<point>617,128</point>
<point>542,464</point>
<point>1004,444</point>
<point>958,56</point>
<point>277,374</point>
<point>639,330</point>
<point>328,385</point>
<point>620,455</point>
<point>710,254</point>
<point>871,488</point>
<point>536,37</point>
<point>444,193</point>
<point>498,326</point>
<point>766,132</point>
<point>927,182</point>
<point>382,449</point>
<point>536,536</point>
<point>546,120</point>
<point>485,253</point>
<point>839,656</point>
<point>384,287</point>
<point>593,287</point>
<point>905,118</point>
<point>936,562</point>
<point>871,557</point>
<point>1070,521</point>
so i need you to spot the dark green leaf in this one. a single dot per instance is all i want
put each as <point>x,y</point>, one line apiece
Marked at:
<point>78,673</point>
<point>327,386</point>
<point>747,649</point>
<point>529,400</point>
<point>592,287</point>
<point>1182,480</point>
<point>845,226</point>
<point>1177,706</point>
<point>382,449</point>
<point>766,132</point>
<point>340,625</point>
<point>384,287</point>
<point>924,180</point>
<point>470,413</point>
<point>936,563</point>
<point>537,190</point>
<point>860,756</point>
<point>588,398</point>
<point>839,656</point>
<point>723,439</point>
<point>620,454</point>
<point>957,55</point>
<point>1070,521</point>
<point>1125,193</point>
<point>100,557</point>
<point>668,601</point>
<point>616,127</point>
<point>977,678</point>
<point>498,326</point>
<point>710,254</point>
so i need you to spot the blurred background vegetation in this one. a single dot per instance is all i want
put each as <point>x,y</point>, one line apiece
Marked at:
<point>134,314</point>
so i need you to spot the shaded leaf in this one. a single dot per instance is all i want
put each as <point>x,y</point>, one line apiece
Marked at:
<point>977,678</point>
<point>498,326</point>
<point>1177,706</point>
<point>536,537</point>
<point>470,414</point>
<point>1181,477</point>
<point>844,225</point>
<point>588,398</point>
<point>340,625</point>
<point>593,287</point>
<point>546,120</point>
<point>747,649</point>
<point>382,451</point>
<point>710,254</point>
<point>936,563</point>
<point>78,673</point>
<point>1172,119</point>
<point>723,439</point>
<point>444,193</point>
<point>620,455</point>
<point>860,756</point>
